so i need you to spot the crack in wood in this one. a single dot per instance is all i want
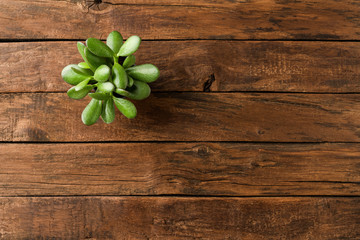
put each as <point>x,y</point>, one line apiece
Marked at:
<point>208,83</point>
<point>162,5</point>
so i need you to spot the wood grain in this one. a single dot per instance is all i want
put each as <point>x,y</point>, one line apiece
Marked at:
<point>258,19</point>
<point>179,218</point>
<point>190,65</point>
<point>187,117</point>
<point>183,168</point>
<point>230,169</point>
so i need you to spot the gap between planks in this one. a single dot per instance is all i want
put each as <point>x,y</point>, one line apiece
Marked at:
<point>9,40</point>
<point>170,141</point>
<point>207,92</point>
<point>182,196</point>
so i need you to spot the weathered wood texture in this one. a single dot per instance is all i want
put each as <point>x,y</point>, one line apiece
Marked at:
<point>188,117</point>
<point>179,218</point>
<point>231,169</point>
<point>190,65</point>
<point>257,19</point>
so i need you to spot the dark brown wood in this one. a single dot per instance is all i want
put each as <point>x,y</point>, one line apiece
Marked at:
<point>179,218</point>
<point>179,170</point>
<point>189,3</point>
<point>308,19</point>
<point>270,117</point>
<point>231,169</point>
<point>190,65</point>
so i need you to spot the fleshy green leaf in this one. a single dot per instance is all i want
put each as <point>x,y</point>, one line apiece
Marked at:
<point>114,41</point>
<point>130,46</point>
<point>139,91</point>
<point>73,74</point>
<point>81,71</point>
<point>119,76</point>
<point>130,82</point>
<point>72,93</point>
<point>126,107</point>
<point>84,65</point>
<point>93,61</point>
<point>99,48</point>
<point>102,73</point>
<point>81,47</point>
<point>92,112</point>
<point>108,111</point>
<point>145,72</point>
<point>122,92</point>
<point>106,87</point>
<point>129,61</point>
<point>82,84</point>
<point>99,96</point>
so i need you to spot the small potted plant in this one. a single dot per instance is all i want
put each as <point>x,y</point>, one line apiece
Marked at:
<point>109,76</point>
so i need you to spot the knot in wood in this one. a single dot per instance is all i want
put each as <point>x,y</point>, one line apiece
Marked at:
<point>91,3</point>
<point>202,151</point>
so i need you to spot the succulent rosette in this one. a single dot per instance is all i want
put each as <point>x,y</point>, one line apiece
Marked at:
<point>110,77</point>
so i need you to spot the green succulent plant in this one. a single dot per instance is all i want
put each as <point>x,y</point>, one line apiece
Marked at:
<point>109,76</point>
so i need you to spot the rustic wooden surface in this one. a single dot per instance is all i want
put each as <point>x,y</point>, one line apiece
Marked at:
<point>180,218</point>
<point>266,117</point>
<point>251,132</point>
<point>232,169</point>
<point>256,19</point>
<point>192,65</point>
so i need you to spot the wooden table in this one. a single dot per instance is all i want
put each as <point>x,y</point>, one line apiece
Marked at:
<point>251,132</point>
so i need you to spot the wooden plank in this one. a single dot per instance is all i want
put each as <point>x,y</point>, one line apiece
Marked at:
<point>230,169</point>
<point>179,218</point>
<point>190,3</point>
<point>190,65</point>
<point>308,19</point>
<point>270,117</point>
